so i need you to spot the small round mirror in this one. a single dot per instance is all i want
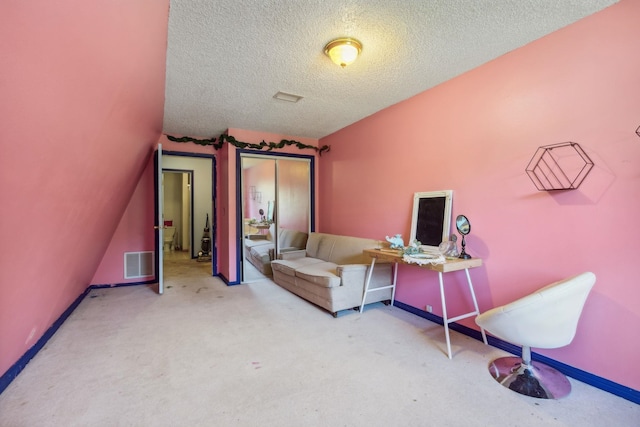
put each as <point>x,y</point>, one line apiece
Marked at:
<point>464,227</point>
<point>462,223</point>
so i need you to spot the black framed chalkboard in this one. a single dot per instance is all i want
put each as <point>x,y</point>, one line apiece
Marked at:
<point>431,219</point>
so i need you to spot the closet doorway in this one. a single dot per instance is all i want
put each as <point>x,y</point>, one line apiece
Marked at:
<point>275,192</point>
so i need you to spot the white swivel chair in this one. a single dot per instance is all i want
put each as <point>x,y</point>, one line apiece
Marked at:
<point>548,318</point>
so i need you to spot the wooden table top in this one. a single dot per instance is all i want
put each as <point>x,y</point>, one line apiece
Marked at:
<point>451,264</point>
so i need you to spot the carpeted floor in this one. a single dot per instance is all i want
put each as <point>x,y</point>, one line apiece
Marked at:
<point>205,354</point>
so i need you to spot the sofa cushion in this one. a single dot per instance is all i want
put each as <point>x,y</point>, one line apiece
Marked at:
<point>262,252</point>
<point>321,274</point>
<point>289,267</point>
<point>252,243</point>
<point>339,249</point>
<point>292,238</point>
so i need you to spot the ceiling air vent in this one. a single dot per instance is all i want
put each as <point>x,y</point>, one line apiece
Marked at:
<point>283,96</point>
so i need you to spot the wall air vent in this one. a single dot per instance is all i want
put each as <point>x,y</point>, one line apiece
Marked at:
<point>138,264</point>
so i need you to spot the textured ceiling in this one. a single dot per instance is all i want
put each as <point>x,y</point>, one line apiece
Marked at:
<point>226,59</point>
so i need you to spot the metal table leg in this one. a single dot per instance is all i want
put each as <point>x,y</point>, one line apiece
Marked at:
<point>444,315</point>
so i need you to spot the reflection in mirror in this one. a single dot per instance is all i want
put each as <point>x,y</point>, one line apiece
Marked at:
<point>293,201</point>
<point>285,185</point>
<point>258,177</point>
<point>462,223</point>
<point>270,205</point>
<point>464,228</point>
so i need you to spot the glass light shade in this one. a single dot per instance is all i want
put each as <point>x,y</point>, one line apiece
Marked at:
<point>343,51</point>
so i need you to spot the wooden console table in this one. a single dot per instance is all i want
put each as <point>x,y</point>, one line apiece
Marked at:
<point>446,267</point>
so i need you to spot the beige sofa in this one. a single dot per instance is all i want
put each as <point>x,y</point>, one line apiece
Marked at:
<point>259,249</point>
<point>331,272</point>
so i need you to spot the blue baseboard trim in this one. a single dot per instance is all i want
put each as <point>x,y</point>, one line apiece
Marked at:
<point>17,367</point>
<point>580,375</point>
<point>120,285</point>
<point>227,282</point>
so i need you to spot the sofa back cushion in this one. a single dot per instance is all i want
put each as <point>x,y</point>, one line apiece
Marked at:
<point>339,249</point>
<point>292,238</point>
<point>270,232</point>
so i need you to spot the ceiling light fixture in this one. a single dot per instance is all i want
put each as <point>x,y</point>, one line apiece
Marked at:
<point>343,51</point>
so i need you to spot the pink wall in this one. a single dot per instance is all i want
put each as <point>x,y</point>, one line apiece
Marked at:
<point>80,118</point>
<point>225,219</point>
<point>475,135</point>
<point>135,231</point>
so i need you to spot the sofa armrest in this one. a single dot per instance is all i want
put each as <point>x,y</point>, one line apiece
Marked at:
<point>356,275</point>
<point>346,268</point>
<point>301,253</point>
<point>353,276</point>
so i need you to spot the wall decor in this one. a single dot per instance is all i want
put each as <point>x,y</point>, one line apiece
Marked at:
<point>269,146</point>
<point>560,166</point>
<point>431,219</point>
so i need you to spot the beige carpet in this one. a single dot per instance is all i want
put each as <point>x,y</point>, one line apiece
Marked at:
<point>204,354</point>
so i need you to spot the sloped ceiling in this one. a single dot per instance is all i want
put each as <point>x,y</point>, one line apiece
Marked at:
<point>226,59</point>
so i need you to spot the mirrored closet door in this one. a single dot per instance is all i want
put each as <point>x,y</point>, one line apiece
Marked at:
<point>276,201</point>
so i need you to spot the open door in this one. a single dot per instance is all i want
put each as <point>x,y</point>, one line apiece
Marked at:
<point>159,224</point>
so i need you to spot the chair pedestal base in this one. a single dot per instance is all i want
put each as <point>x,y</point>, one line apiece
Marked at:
<point>535,380</point>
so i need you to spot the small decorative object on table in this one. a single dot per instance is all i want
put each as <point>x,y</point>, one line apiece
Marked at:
<point>449,248</point>
<point>396,241</point>
<point>413,248</point>
<point>413,254</point>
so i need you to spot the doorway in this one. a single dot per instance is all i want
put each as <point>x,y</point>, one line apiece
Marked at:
<point>275,192</point>
<point>177,208</point>
<point>188,196</point>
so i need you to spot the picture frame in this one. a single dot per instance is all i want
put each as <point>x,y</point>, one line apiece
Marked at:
<point>431,218</point>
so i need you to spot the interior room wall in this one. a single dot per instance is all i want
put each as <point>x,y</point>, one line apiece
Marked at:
<point>475,135</point>
<point>134,233</point>
<point>172,202</point>
<point>80,118</point>
<point>185,215</point>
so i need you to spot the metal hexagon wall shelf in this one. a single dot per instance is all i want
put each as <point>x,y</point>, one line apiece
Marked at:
<point>560,166</point>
